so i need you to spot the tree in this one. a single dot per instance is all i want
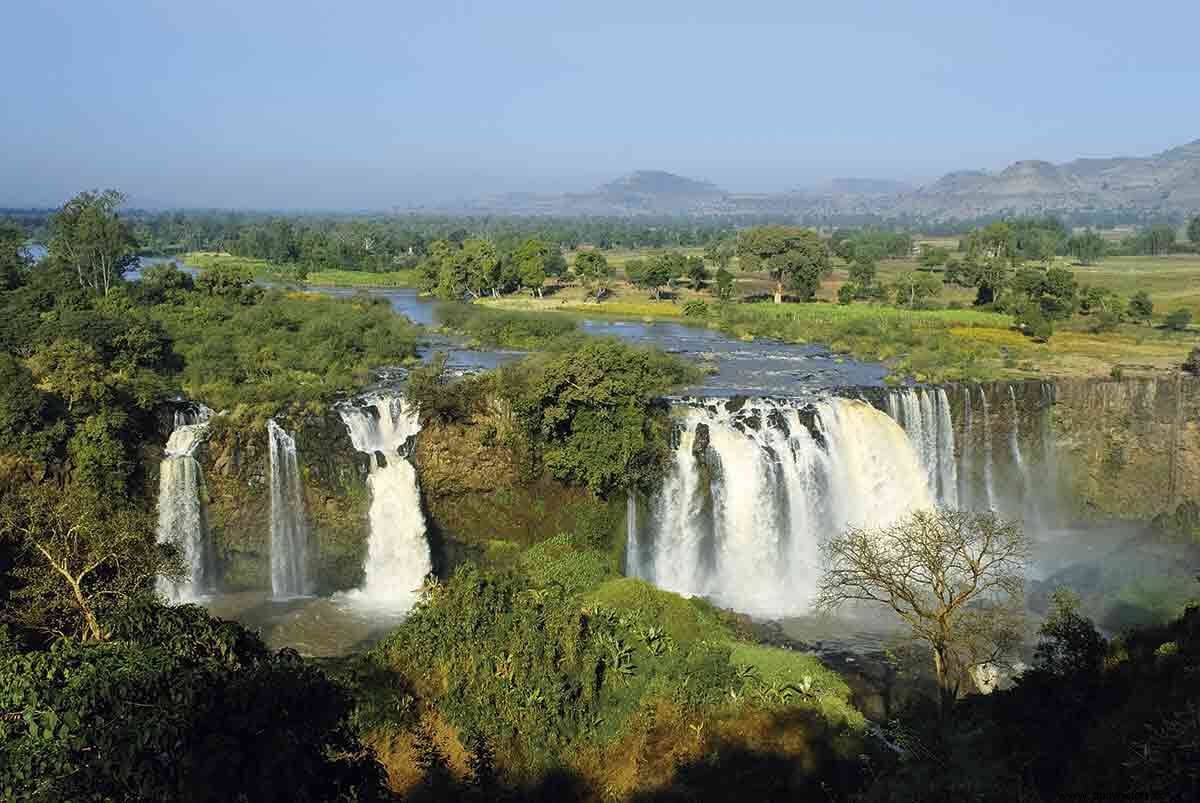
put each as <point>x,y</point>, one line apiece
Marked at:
<point>593,270</point>
<point>79,549</point>
<point>913,287</point>
<point>695,271</point>
<point>786,252</point>
<point>14,263</point>
<point>863,269</point>
<point>720,252</point>
<point>1193,231</point>
<point>226,279</point>
<point>652,273</point>
<point>534,261</point>
<point>955,577</point>
<point>1087,247</point>
<point>89,238</point>
<point>1141,308</point>
<point>480,267</point>
<point>724,281</point>
<point>1160,238</point>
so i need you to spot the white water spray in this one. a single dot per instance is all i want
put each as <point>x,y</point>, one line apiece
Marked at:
<point>289,528</point>
<point>398,558</point>
<point>751,492</point>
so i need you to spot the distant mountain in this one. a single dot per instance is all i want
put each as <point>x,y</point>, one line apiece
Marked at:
<point>1166,182</point>
<point>1122,187</point>
<point>658,183</point>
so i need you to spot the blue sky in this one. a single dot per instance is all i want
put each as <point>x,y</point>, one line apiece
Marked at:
<point>296,104</point>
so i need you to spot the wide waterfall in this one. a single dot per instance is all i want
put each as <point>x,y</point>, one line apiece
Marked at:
<point>181,508</point>
<point>289,528</point>
<point>398,558</point>
<point>753,487</point>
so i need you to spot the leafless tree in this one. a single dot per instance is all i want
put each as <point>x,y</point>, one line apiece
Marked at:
<point>955,577</point>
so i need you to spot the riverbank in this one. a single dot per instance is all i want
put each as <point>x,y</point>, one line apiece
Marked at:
<point>921,345</point>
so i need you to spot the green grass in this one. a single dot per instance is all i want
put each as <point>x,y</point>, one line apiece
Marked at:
<point>207,260</point>
<point>687,620</point>
<point>262,269</point>
<point>358,278</point>
<point>775,666</point>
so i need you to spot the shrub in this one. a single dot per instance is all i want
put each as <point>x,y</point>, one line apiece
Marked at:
<point>695,309</point>
<point>1179,320</point>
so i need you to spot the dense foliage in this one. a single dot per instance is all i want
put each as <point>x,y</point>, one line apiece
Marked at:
<point>591,405</point>
<point>175,706</point>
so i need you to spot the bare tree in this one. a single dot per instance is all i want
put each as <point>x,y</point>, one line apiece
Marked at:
<point>956,578</point>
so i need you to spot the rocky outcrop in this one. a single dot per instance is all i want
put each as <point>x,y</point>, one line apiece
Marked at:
<point>236,467</point>
<point>1129,448</point>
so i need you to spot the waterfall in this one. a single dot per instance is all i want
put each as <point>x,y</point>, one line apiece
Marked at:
<point>181,513</point>
<point>398,558</point>
<point>1029,504</point>
<point>752,490</point>
<point>924,414</point>
<point>988,481</point>
<point>289,530</point>
<point>632,549</point>
<point>965,496</point>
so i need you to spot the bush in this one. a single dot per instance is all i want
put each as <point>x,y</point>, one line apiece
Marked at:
<point>179,706</point>
<point>1104,321</point>
<point>695,309</point>
<point>1179,320</point>
<point>497,329</point>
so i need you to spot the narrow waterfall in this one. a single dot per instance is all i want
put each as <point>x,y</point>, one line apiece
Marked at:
<point>753,488</point>
<point>966,496</point>
<point>632,548</point>
<point>289,529</point>
<point>988,479</point>
<point>181,509</point>
<point>398,558</point>
<point>924,414</point>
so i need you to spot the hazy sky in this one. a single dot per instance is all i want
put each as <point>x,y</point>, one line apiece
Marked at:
<point>349,104</point>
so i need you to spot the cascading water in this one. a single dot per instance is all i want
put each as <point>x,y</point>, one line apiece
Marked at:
<point>924,414</point>
<point>988,478</point>
<point>398,558</point>
<point>181,513</point>
<point>752,489</point>
<point>966,497</point>
<point>289,528</point>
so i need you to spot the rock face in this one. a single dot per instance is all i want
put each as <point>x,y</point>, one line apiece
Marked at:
<point>236,467</point>
<point>1129,448</point>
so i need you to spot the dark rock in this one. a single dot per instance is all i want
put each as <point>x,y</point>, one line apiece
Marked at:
<point>700,444</point>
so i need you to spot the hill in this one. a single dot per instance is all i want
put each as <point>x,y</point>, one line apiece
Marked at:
<point>1123,189</point>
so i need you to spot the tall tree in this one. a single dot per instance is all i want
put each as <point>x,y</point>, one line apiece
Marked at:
<point>956,578</point>
<point>1087,247</point>
<point>92,241</point>
<point>534,260</point>
<point>481,267</point>
<point>593,271</point>
<point>786,252</point>
<point>1193,231</point>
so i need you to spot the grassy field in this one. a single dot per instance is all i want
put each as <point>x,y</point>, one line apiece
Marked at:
<point>262,269</point>
<point>358,278</point>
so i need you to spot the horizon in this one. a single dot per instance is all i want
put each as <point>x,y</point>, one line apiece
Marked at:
<point>279,107</point>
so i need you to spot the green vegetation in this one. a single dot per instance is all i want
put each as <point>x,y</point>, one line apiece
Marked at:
<point>497,329</point>
<point>175,705</point>
<point>350,278</point>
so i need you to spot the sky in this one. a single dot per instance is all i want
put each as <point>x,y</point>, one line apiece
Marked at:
<point>374,105</point>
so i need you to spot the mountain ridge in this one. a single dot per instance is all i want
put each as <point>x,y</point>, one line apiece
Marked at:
<point>1165,183</point>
